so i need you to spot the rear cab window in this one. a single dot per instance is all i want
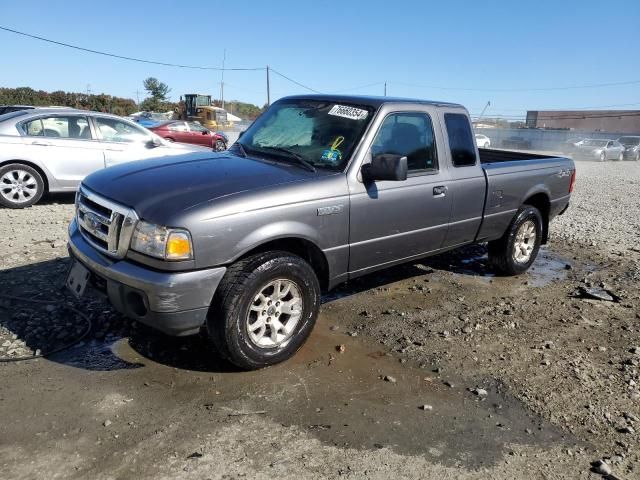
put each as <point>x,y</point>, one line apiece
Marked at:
<point>461,140</point>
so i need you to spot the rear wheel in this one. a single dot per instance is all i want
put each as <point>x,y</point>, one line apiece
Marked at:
<point>514,253</point>
<point>264,309</point>
<point>20,186</point>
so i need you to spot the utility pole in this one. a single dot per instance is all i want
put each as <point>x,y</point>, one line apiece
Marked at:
<point>385,89</point>
<point>224,57</point>
<point>88,89</point>
<point>138,96</point>
<point>268,88</point>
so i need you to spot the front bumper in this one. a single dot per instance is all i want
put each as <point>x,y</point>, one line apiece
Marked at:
<point>174,302</point>
<point>630,155</point>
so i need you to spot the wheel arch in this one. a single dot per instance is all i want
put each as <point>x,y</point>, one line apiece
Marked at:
<point>35,166</point>
<point>301,247</point>
<point>541,201</point>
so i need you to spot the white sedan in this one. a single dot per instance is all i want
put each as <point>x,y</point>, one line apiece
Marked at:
<point>51,150</point>
<point>482,141</point>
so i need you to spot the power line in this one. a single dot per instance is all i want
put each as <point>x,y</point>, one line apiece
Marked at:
<point>293,81</point>
<point>543,89</point>
<point>122,57</point>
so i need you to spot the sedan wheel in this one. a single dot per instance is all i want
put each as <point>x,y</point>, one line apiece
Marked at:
<point>219,146</point>
<point>621,157</point>
<point>603,157</point>
<point>20,186</point>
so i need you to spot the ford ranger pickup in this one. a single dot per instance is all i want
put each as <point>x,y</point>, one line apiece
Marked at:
<point>319,190</point>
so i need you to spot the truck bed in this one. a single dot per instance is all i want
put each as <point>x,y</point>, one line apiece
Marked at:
<point>488,155</point>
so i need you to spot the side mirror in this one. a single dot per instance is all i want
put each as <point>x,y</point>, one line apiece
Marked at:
<point>204,132</point>
<point>154,142</point>
<point>385,166</point>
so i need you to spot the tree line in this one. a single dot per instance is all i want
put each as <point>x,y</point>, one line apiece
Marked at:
<point>157,101</point>
<point>39,98</point>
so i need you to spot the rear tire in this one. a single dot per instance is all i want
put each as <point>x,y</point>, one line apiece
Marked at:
<point>20,186</point>
<point>514,253</point>
<point>264,309</point>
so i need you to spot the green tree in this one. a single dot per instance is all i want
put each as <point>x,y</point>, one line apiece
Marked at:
<point>158,95</point>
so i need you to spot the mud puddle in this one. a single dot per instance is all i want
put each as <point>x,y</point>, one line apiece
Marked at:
<point>344,400</point>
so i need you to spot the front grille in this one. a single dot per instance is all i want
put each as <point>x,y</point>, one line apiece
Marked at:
<point>106,225</point>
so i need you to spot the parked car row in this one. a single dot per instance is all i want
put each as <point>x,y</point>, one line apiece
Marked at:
<point>602,149</point>
<point>53,149</point>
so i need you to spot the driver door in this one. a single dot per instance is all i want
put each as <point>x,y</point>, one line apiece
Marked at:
<point>392,221</point>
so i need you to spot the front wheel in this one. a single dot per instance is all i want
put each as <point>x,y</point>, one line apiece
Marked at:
<point>219,146</point>
<point>621,157</point>
<point>20,186</point>
<point>514,253</point>
<point>603,157</point>
<point>264,309</point>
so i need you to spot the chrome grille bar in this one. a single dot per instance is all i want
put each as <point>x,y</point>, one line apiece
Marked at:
<point>106,225</point>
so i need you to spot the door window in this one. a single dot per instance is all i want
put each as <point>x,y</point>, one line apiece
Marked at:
<point>196,127</point>
<point>73,127</point>
<point>461,144</point>
<point>178,127</point>
<point>409,135</point>
<point>33,128</point>
<point>113,130</point>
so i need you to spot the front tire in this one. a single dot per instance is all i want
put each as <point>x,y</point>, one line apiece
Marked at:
<point>603,157</point>
<point>219,146</point>
<point>264,309</point>
<point>20,186</point>
<point>514,253</point>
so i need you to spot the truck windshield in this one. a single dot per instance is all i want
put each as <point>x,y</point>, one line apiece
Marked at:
<point>321,132</point>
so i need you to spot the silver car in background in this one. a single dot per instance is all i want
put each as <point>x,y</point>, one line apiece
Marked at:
<point>52,149</point>
<point>631,147</point>
<point>598,149</point>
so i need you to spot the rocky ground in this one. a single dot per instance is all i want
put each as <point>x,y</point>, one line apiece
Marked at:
<point>430,370</point>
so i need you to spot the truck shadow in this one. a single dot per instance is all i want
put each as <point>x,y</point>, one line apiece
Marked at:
<point>28,328</point>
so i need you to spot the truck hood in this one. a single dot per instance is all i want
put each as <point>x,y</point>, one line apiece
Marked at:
<point>159,188</point>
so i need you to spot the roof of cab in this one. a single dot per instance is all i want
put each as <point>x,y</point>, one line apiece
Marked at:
<point>370,100</point>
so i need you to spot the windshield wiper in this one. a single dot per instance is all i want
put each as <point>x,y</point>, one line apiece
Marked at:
<point>301,161</point>
<point>243,152</point>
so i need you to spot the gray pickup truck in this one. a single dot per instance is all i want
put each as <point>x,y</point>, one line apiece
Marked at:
<point>317,191</point>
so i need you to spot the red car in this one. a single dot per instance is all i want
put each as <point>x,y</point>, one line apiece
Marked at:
<point>190,132</point>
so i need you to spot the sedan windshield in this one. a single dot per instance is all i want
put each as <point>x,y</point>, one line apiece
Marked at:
<point>594,143</point>
<point>322,133</point>
<point>629,141</point>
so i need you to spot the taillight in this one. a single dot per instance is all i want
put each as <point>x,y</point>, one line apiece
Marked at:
<point>572,182</point>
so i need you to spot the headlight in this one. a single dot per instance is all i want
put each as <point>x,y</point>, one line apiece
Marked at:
<point>162,242</point>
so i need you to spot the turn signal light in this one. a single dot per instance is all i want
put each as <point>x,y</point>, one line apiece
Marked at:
<point>178,246</point>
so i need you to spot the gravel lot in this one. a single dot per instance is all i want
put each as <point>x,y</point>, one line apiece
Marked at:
<point>446,371</point>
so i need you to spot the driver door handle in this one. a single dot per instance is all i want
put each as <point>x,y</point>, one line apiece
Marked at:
<point>440,191</point>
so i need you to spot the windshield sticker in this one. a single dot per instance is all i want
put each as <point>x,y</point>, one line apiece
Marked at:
<point>352,113</point>
<point>333,155</point>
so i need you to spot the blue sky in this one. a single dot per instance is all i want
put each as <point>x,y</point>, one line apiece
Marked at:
<point>336,46</point>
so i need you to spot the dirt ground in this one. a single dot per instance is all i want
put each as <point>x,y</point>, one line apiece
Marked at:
<point>447,372</point>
